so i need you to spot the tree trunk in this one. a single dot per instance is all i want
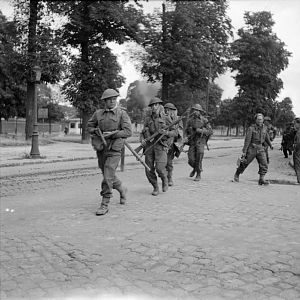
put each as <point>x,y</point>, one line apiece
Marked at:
<point>1,130</point>
<point>237,130</point>
<point>84,133</point>
<point>33,10</point>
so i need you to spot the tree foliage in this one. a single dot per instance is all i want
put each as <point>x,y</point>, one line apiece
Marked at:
<point>258,58</point>
<point>91,24</point>
<point>187,45</point>
<point>12,84</point>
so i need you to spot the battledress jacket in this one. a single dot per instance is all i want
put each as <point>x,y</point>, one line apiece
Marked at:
<point>195,123</point>
<point>110,120</point>
<point>256,136</point>
<point>153,124</point>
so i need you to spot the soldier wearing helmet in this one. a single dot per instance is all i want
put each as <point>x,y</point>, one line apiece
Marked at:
<point>257,136</point>
<point>272,134</point>
<point>171,111</point>
<point>197,131</point>
<point>296,153</point>
<point>156,151</point>
<point>114,122</point>
<point>288,139</point>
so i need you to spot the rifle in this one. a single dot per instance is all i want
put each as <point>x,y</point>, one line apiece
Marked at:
<point>154,135</point>
<point>136,155</point>
<point>99,133</point>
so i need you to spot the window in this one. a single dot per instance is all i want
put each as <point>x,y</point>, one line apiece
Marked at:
<point>72,125</point>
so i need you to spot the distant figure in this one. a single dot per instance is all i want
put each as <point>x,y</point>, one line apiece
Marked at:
<point>66,130</point>
<point>272,134</point>
<point>198,132</point>
<point>296,153</point>
<point>171,111</point>
<point>288,140</point>
<point>136,126</point>
<point>257,136</point>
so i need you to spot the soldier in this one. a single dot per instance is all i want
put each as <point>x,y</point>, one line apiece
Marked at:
<point>272,134</point>
<point>257,135</point>
<point>171,111</point>
<point>156,151</point>
<point>114,122</point>
<point>296,153</point>
<point>197,131</point>
<point>288,140</point>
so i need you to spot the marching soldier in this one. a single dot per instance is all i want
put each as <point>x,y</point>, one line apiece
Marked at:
<point>156,150</point>
<point>296,153</point>
<point>257,135</point>
<point>288,140</point>
<point>171,111</point>
<point>272,134</point>
<point>114,122</point>
<point>198,131</point>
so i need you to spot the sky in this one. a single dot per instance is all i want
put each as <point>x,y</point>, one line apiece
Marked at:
<point>287,22</point>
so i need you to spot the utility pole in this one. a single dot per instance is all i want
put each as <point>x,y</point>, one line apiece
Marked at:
<point>208,81</point>
<point>165,83</point>
<point>35,153</point>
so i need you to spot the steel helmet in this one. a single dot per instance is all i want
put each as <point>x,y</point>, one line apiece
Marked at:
<point>109,93</point>
<point>155,100</point>
<point>198,107</point>
<point>267,118</point>
<point>170,106</point>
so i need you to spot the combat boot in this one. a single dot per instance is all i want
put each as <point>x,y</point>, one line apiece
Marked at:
<point>262,181</point>
<point>236,177</point>
<point>198,176</point>
<point>165,185</point>
<point>192,174</point>
<point>103,209</point>
<point>155,190</point>
<point>123,193</point>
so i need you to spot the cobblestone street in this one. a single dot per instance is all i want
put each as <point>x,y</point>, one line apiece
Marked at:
<point>213,239</point>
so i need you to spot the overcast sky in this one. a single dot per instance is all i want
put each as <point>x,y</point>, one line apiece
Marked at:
<point>286,14</point>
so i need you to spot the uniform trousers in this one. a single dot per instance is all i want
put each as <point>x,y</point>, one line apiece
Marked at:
<point>260,154</point>
<point>170,158</point>
<point>108,161</point>
<point>156,159</point>
<point>195,156</point>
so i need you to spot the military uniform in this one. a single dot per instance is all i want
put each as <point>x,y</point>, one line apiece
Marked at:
<point>256,137</point>
<point>109,120</point>
<point>156,156</point>
<point>296,154</point>
<point>288,140</point>
<point>174,148</point>
<point>272,134</point>
<point>198,131</point>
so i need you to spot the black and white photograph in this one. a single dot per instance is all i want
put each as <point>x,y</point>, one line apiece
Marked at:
<point>149,150</point>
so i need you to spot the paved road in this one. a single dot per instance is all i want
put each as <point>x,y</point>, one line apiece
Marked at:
<point>209,240</point>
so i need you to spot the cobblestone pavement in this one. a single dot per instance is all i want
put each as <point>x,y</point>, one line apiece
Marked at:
<point>212,239</point>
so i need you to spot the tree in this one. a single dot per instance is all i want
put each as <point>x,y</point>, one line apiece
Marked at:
<point>39,45</point>
<point>91,24</point>
<point>189,48</point>
<point>283,113</point>
<point>258,58</point>
<point>12,85</point>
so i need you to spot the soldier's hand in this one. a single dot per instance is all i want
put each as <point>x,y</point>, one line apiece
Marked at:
<point>199,130</point>
<point>163,131</point>
<point>96,131</point>
<point>271,147</point>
